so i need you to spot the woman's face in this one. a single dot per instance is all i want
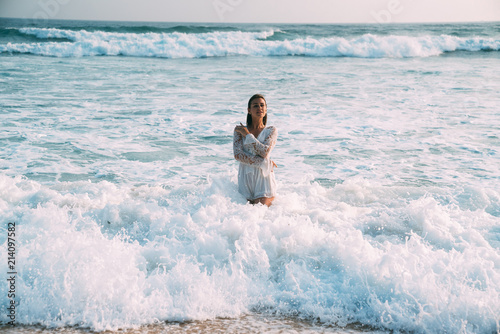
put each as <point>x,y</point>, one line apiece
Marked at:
<point>258,108</point>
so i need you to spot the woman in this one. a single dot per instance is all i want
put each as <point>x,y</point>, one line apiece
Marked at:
<point>252,145</point>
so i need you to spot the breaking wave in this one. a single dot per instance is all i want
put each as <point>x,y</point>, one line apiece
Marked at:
<point>80,43</point>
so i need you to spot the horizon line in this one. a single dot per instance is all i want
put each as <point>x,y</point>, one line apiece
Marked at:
<point>236,22</point>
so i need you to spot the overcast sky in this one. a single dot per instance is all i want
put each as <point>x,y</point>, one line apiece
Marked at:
<point>269,11</point>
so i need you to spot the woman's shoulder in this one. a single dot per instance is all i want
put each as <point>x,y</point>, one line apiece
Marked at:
<point>271,128</point>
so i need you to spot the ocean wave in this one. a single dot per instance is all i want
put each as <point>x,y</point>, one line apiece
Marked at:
<point>15,35</point>
<point>105,256</point>
<point>239,43</point>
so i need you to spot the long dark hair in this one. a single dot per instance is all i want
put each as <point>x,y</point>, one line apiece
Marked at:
<point>249,117</point>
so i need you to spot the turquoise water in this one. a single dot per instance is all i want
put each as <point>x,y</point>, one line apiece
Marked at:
<point>116,165</point>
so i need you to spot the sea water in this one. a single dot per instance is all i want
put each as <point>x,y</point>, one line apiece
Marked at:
<point>116,167</point>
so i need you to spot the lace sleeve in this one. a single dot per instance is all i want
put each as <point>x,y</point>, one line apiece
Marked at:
<point>241,155</point>
<point>265,148</point>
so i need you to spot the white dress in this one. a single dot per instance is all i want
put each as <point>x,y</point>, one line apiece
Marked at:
<point>255,175</point>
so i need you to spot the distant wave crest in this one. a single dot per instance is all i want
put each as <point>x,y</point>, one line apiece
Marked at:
<point>238,43</point>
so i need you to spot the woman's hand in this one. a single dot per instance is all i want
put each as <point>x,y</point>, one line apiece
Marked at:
<point>241,129</point>
<point>273,165</point>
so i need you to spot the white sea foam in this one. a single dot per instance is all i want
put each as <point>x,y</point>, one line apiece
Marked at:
<point>108,256</point>
<point>219,44</point>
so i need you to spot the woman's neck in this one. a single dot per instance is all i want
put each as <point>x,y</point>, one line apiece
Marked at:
<point>257,124</point>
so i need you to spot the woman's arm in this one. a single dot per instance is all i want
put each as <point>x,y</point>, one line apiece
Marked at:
<point>241,155</point>
<point>265,148</point>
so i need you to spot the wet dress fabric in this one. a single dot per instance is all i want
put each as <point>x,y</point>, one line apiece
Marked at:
<point>255,174</point>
